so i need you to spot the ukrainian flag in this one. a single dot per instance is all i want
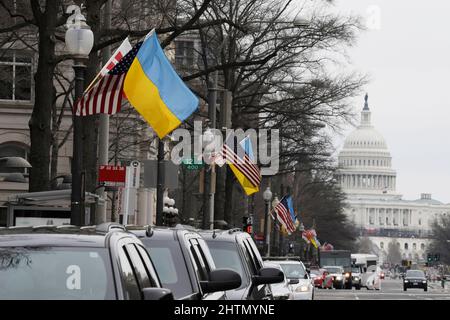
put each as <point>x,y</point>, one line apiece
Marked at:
<point>156,91</point>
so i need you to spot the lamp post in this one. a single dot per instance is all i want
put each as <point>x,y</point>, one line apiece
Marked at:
<point>208,141</point>
<point>79,42</point>
<point>267,199</point>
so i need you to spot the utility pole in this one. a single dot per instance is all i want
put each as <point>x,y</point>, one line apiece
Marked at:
<point>103,145</point>
<point>160,184</point>
<point>212,113</point>
<point>281,243</point>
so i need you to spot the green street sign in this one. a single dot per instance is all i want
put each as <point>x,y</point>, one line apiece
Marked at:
<point>192,164</point>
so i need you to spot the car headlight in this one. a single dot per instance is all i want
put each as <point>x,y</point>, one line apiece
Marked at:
<point>302,289</point>
<point>406,281</point>
<point>424,281</point>
<point>338,278</point>
<point>347,275</point>
<point>356,279</point>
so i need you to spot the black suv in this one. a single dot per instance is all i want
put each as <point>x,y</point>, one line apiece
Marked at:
<point>185,265</point>
<point>415,279</point>
<point>236,250</point>
<point>70,263</point>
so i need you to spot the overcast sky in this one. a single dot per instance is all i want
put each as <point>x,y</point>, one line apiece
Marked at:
<point>406,53</point>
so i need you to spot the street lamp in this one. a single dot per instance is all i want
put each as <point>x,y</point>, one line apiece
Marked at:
<point>268,199</point>
<point>79,43</point>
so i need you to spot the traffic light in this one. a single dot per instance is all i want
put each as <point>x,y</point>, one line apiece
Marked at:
<point>437,257</point>
<point>247,225</point>
<point>429,258</point>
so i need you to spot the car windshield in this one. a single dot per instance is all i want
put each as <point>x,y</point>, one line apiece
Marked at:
<point>356,270</point>
<point>415,273</point>
<point>334,270</point>
<point>293,271</point>
<point>170,266</point>
<point>55,274</point>
<point>226,256</point>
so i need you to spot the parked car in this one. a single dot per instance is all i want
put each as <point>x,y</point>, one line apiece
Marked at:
<point>300,282</point>
<point>280,291</point>
<point>337,274</point>
<point>185,265</point>
<point>70,263</point>
<point>415,279</point>
<point>236,250</point>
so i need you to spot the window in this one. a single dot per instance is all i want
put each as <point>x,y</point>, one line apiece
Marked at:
<point>56,273</point>
<point>149,266</point>
<point>171,267</point>
<point>3,213</point>
<point>226,255</point>
<point>406,246</point>
<point>139,268</point>
<point>414,246</point>
<point>15,76</point>
<point>184,53</point>
<point>129,282</point>
<point>201,266</point>
<point>250,260</point>
<point>422,246</point>
<point>382,245</point>
<point>256,254</point>
<point>372,217</point>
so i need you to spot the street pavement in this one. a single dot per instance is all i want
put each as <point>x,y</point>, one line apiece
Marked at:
<point>390,290</point>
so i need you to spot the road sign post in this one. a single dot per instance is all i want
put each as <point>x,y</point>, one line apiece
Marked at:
<point>133,175</point>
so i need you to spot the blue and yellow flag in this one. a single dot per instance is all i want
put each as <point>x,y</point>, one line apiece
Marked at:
<point>238,157</point>
<point>156,91</point>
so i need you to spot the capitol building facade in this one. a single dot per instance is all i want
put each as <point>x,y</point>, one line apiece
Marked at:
<point>374,206</point>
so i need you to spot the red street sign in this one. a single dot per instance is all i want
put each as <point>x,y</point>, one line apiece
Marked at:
<point>112,176</point>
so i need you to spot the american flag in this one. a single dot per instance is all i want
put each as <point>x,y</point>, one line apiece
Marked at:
<point>284,216</point>
<point>105,97</point>
<point>241,160</point>
<point>121,52</point>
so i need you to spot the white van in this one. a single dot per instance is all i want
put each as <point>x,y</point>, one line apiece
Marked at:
<point>370,271</point>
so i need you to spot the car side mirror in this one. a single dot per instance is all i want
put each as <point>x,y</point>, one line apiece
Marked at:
<point>268,276</point>
<point>294,281</point>
<point>157,294</point>
<point>221,280</point>
<point>306,277</point>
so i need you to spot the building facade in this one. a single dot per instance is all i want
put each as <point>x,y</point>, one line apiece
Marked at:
<point>374,206</point>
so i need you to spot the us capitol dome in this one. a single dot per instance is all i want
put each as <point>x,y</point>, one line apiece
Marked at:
<point>373,205</point>
<point>365,162</point>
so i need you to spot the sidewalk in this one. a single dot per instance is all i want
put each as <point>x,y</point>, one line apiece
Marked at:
<point>437,286</point>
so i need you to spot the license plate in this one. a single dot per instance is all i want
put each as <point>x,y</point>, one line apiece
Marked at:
<point>415,283</point>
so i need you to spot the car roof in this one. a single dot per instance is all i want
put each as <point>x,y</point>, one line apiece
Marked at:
<point>223,235</point>
<point>284,260</point>
<point>58,236</point>
<point>161,233</point>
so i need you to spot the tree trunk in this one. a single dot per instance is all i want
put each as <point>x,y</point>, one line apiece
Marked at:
<point>40,122</point>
